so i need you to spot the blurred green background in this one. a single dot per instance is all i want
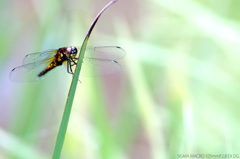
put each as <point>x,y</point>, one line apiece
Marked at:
<point>178,92</point>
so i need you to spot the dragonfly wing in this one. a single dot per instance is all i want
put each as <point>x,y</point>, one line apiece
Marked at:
<point>98,66</point>
<point>29,72</point>
<point>105,52</point>
<point>39,56</point>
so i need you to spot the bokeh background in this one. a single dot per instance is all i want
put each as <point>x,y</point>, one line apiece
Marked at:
<point>178,92</point>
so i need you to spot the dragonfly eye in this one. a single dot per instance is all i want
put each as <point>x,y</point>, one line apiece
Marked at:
<point>69,49</point>
<point>72,50</point>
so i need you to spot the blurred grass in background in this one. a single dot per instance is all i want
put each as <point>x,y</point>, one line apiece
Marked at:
<point>177,93</point>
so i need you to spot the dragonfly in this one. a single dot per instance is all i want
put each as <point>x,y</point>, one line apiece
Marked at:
<point>99,60</point>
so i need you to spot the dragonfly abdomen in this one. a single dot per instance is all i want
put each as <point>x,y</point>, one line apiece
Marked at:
<point>50,67</point>
<point>58,60</point>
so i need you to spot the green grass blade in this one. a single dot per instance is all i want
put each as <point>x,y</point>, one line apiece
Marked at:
<point>68,106</point>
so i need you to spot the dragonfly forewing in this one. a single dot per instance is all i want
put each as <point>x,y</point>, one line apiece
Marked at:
<point>105,52</point>
<point>39,56</point>
<point>101,60</point>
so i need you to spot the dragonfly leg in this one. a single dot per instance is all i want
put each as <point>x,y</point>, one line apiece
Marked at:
<point>69,67</point>
<point>74,61</point>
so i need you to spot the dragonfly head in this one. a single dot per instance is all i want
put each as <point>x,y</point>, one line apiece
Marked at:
<point>72,51</point>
